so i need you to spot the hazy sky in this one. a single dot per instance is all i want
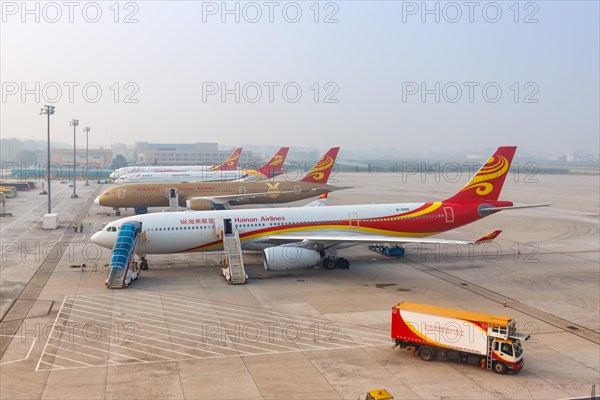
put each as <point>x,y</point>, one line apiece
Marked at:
<point>362,76</point>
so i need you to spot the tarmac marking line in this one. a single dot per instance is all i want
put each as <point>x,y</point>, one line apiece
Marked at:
<point>34,287</point>
<point>278,328</point>
<point>243,313</point>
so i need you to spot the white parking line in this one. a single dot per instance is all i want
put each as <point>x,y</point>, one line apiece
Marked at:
<point>169,329</point>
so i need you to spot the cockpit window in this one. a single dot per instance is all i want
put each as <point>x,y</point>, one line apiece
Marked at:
<point>106,193</point>
<point>111,229</point>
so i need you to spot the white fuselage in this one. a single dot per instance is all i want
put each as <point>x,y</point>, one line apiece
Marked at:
<point>181,176</point>
<point>132,169</point>
<point>187,231</point>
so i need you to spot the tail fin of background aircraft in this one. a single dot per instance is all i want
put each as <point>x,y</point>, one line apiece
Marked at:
<point>320,172</point>
<point>487,182</point>
<point>275,166</point>
<point>231,163</point>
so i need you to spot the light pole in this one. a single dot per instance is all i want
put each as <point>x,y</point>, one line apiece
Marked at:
<point>48,110</point>
<point>87,161</point>
<point>74,123</point>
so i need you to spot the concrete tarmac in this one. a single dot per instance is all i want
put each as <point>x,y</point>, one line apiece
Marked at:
<point>181,332</point>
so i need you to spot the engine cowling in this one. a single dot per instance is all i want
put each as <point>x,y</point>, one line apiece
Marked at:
<point>283,258</point>
<point>200,204</point>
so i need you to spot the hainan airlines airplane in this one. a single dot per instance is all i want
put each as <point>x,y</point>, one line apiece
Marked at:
<point>270,169</point>
<point>219,195</point>
<point>230,164</point>
<point>300,237</point>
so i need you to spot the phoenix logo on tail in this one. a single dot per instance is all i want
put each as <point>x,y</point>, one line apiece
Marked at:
<point>230,164</point>
<point>320,172</point>
<point>274,166</point>
<point>487,182</point>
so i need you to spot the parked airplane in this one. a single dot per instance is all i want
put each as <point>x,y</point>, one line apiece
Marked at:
<point>301,237</point>
<point>229,164</point>
<point>215,195</point>
<point>270,169</point>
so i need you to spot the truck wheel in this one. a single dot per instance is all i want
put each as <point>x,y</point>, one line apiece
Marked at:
<point>463,358</point>
<point>499,367</point>
<point>427,354</point>
<point>118,213</point>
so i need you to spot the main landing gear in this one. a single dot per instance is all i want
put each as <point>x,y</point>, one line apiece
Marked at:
<point>335,262</point>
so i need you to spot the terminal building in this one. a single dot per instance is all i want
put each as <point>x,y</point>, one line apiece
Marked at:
<point>189,154</point>
<point>97,157</point>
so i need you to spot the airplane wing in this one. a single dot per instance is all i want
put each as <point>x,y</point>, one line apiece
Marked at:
<point>206,202</point>
<point>326,241</point>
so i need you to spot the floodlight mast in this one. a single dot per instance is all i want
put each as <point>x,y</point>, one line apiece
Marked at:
<point>48,110</point>
<point>87,130</point>
<point>74,123</point>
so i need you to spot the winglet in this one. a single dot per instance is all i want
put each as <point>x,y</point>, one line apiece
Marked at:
<point>230,164</point>
<point>319,202</point>
<point>320,172</point>
<point>489,237</point>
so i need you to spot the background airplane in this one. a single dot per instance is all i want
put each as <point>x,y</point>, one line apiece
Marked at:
<point>302,237</point>
<point>219,195</point>
<point>270,169</point>
<point>229,164</point>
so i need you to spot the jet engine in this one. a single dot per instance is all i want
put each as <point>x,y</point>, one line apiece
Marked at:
<point>282,258</point>
<point>200,204</point>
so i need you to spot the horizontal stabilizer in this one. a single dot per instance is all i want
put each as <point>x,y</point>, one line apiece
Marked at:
<point>487,209</point>
<point>489,237</point>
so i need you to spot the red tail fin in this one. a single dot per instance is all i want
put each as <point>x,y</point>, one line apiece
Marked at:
<point>487,182</point>
<point>231,163</point>
<point>320,171</point>
<point>275,165</point>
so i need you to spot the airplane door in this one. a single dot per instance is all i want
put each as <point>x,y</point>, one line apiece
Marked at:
<point>297,189</point>
<point>219,227</point>
<point>228,228</point>
<point>121,193</point>
<point>353,220</point>
<point>242,190</point>
<point>449,214</point>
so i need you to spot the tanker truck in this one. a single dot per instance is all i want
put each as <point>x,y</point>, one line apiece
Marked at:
<point>429,331</point>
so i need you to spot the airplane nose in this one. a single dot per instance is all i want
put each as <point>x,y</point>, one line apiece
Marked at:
<point>97,200</point>
<point>100,239</point>
<point>96,238</point>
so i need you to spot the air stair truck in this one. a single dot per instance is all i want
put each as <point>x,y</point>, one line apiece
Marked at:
<point>429,331</point>
<point>123,268</point>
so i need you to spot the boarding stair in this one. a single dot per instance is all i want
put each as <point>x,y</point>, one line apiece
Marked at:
<point>233,270</point>
<point>123,268</point>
